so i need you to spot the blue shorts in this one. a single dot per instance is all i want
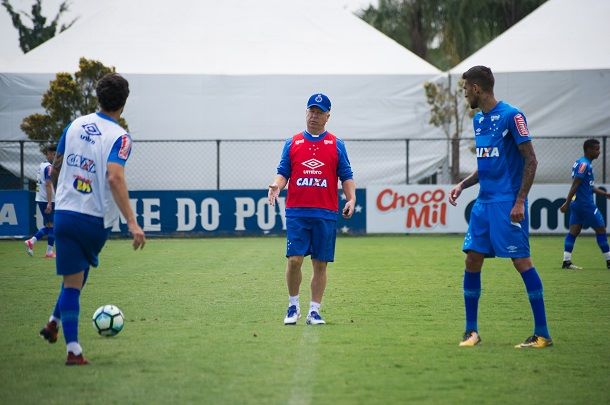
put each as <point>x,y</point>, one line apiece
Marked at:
<point>79,238</point>
<point>492,233</point>
<point>311,236</point>
<point>46,218</point>
<point>586,216</point>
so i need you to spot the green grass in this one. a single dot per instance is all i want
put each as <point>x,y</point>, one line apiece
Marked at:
<point>204,325</point>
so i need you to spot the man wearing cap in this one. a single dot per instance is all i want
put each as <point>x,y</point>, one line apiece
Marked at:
<point>312,163</point>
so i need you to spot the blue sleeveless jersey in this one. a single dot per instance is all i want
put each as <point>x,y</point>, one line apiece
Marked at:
<point>497,135</point>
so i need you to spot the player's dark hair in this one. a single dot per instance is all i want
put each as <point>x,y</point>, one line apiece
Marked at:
<point>51,147</point>
<point>589,143</point>
<point>481,76</point>
<point>112,91</point>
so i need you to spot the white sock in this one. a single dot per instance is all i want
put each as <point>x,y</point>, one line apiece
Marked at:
<point>74,347</point>
<point>607,255</point>
<point>49,249</point>
<point>52,318</point>
<point>293,300</point>
<point>314,306</point>
<point>567,256</point>
<point>33,239</point>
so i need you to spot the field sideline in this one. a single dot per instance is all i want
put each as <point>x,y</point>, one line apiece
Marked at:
<point>204,325</point>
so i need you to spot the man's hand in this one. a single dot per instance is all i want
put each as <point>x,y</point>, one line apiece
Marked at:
<point>564,207</point>
<point>348,209</point>
<point>454,194</point>
<point>49,208</point>
<point>517,213</point>
<point>273,193</point>
<point>139,240</point>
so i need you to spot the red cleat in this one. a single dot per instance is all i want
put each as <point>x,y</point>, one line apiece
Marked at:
<point>74,360</point>
<point>49,332</point>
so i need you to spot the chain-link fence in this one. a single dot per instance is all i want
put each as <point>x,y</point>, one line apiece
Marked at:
<point>251,164</point>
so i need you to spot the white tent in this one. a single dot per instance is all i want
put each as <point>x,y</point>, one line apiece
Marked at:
<point>237,69</point>
<point>554,65</point>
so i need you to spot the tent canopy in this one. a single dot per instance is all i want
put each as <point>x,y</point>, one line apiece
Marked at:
<point>237,69</point>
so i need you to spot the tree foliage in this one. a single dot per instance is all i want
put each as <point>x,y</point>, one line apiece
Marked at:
<point>67,98</point>
<point>30,38</point>
<point>445,32</point>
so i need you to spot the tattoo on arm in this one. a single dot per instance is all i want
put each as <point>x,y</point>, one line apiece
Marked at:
<point>529,169</point>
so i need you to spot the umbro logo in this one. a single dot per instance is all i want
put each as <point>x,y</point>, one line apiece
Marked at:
<point>313,163</point>
<point>92,129</point>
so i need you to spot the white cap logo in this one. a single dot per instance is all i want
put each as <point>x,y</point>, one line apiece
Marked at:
<point>319,98</point>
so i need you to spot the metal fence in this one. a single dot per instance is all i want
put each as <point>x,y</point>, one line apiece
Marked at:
<point>251,164</point>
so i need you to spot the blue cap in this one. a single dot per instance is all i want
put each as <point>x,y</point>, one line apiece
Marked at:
<point>319,100</point>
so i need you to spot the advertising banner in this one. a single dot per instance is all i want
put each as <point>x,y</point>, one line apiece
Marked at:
<point>15,213</point>
<point>426,209</point>
<point>227,212</point>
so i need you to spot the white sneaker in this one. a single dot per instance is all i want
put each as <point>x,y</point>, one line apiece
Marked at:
<point>29,247</point>
<point>314,318</point>
<point>292,315</point>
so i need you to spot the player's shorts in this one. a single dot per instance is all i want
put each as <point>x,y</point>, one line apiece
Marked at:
<point>46,218</point>
<point>588,215</point>
<point>311,236</point>
<point>492,233</point>
<point>79,238</point>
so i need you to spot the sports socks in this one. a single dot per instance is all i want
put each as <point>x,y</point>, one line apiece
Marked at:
<point>51,237</point>
<point>568,246</point>
<point>56,313</point>
<point>69,307</point>
<point>533,285</point>
<point>314,306</point>
<point>472,292</point>
<point>602,242</point>
<point>293,300</point>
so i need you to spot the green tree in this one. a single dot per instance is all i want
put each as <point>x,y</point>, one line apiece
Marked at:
<point>411,23</point>
<point>67,98</point>
<point>30,38</point>
<point>447,111</point>
<point>445,32</point>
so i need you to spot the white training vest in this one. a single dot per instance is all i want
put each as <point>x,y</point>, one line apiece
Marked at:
<point>82,186</point>
<point>41,189</point>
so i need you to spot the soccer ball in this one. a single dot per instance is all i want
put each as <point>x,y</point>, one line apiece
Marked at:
<point>108,320</point>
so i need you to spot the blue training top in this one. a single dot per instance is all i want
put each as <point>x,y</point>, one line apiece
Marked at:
<point>497,135</point>
<point>583,170</point>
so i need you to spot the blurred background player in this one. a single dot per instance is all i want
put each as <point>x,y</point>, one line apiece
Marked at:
<point>506,166</point>
<point>312,162</point>
<point>45,199</point>
<point>90,184</point>
<point>583,211</point>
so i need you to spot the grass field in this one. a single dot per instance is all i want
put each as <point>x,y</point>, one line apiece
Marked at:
<point>204,325</point>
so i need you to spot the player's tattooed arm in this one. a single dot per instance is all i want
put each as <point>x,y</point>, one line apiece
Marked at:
<point>59,158</point>
<point>529,169</point>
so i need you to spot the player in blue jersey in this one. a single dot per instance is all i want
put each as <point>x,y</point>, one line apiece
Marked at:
<point>91,190</point>
<point>312,162</point>
<point>506,166</point>
<point>583,211</point>
<point>45,199</point>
